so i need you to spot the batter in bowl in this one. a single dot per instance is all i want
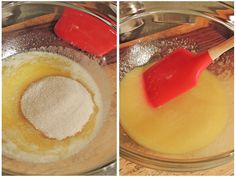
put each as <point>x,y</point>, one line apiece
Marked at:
<point>28,133</point>
<point>185,124</point>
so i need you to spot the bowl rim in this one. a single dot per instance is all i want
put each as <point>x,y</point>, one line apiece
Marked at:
<point>178,165</point>
<point>63,4</point>
<point>99,169</point>
<point>153,11</point>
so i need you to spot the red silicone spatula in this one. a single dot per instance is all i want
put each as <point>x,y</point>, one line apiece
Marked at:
<point>86,32</point>
<point>178,72</point>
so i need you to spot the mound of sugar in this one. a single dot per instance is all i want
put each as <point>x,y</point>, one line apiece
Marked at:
<point>57,106</point>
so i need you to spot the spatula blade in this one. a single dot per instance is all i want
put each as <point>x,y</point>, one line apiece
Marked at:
<point>173,75</point>
<point>86,32</point>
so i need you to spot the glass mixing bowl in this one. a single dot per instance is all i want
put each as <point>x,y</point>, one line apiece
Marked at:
<point>28,26</point>
<point>149,31</point>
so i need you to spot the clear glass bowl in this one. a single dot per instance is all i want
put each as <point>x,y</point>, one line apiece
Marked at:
<point>29,26</point>
<point>196,26</point>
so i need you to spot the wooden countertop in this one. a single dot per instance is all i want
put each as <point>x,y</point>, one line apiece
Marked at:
<point>128,168</point>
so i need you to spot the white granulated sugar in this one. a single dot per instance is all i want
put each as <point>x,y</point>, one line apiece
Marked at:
<point>57,106</point>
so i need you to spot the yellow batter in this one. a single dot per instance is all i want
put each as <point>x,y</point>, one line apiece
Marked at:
<point>187,123</point>
<point>21,140</point>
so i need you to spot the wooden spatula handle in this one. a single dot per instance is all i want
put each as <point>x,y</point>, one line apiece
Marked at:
<point>218,50</point>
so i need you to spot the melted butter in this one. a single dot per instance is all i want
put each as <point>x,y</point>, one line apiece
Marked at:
<point>185,124</point>
<point>15,127</point>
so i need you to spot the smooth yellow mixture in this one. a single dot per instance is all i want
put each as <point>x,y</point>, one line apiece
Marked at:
<point>20,139</point>
<point>185,124</point>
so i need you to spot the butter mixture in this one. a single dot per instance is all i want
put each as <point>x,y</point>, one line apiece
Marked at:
<point>52,107</point>
<point>187,123</point>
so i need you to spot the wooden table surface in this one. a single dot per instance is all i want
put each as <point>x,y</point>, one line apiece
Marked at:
<point>128,168</point>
